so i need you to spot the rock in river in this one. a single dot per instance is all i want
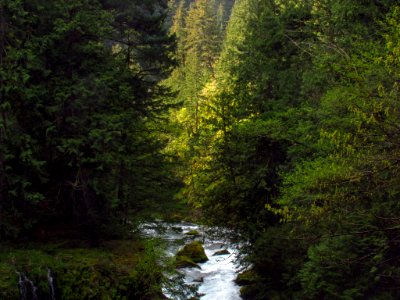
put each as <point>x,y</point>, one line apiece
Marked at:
<point>193,251</point>
<point>221,252</point>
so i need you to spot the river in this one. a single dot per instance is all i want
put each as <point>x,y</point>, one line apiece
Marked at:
<point>215,279</point>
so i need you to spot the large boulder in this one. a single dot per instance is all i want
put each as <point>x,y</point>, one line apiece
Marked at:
<point>194,251</point>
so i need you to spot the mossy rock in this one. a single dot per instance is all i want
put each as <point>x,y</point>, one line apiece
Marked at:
<point>221,252</point>
<point>194,251</point>
<point>193,233</point>
<point>185,262</point>
<point>246,278</point>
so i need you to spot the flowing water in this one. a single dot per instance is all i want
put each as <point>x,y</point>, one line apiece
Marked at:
<point>27,290</point>
<point>215,279</point>
<point>51,281</point>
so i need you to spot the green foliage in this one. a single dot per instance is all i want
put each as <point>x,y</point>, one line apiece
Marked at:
<point>245,278</point>
<point>297,146</point>
<point>284,126</point>
<point>79,93</point>
<point>333,267</point>
<point>120,270</point>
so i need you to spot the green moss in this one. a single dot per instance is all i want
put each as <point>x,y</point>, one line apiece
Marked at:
<point>194,251</point>
<point>193,233</point>
<point>246,278</point>
<point>118,270</point>
<point>185,262</point>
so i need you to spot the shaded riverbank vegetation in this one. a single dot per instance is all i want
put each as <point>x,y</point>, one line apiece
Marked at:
<point>118,270</point>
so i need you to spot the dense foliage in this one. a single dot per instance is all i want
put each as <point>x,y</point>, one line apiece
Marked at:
<point>118,270</point>
<point>284,125</point>
<point>79,96</point>
<point>290,135</point>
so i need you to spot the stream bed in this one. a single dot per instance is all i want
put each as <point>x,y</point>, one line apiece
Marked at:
<point>215,279</point>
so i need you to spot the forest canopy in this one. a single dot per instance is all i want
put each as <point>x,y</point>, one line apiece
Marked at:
<point>289,133</point>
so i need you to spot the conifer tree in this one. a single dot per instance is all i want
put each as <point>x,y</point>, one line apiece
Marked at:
<point>79,84</point>
<point>295,147</point>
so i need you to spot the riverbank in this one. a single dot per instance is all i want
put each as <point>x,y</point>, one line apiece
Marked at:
<point>123,268</point>
<point>118,269</point>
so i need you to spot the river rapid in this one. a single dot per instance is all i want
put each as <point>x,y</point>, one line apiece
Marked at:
<point>215,279</point>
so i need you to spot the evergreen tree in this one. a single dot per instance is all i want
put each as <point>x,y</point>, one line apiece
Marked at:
<point>199,27</point>
<point>295,146</point>
<point>79,86</point>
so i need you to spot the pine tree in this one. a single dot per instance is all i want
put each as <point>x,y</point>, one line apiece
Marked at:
<point>80,86</point>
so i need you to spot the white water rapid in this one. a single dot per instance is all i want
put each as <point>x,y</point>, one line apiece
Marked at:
<point>215,279</point>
